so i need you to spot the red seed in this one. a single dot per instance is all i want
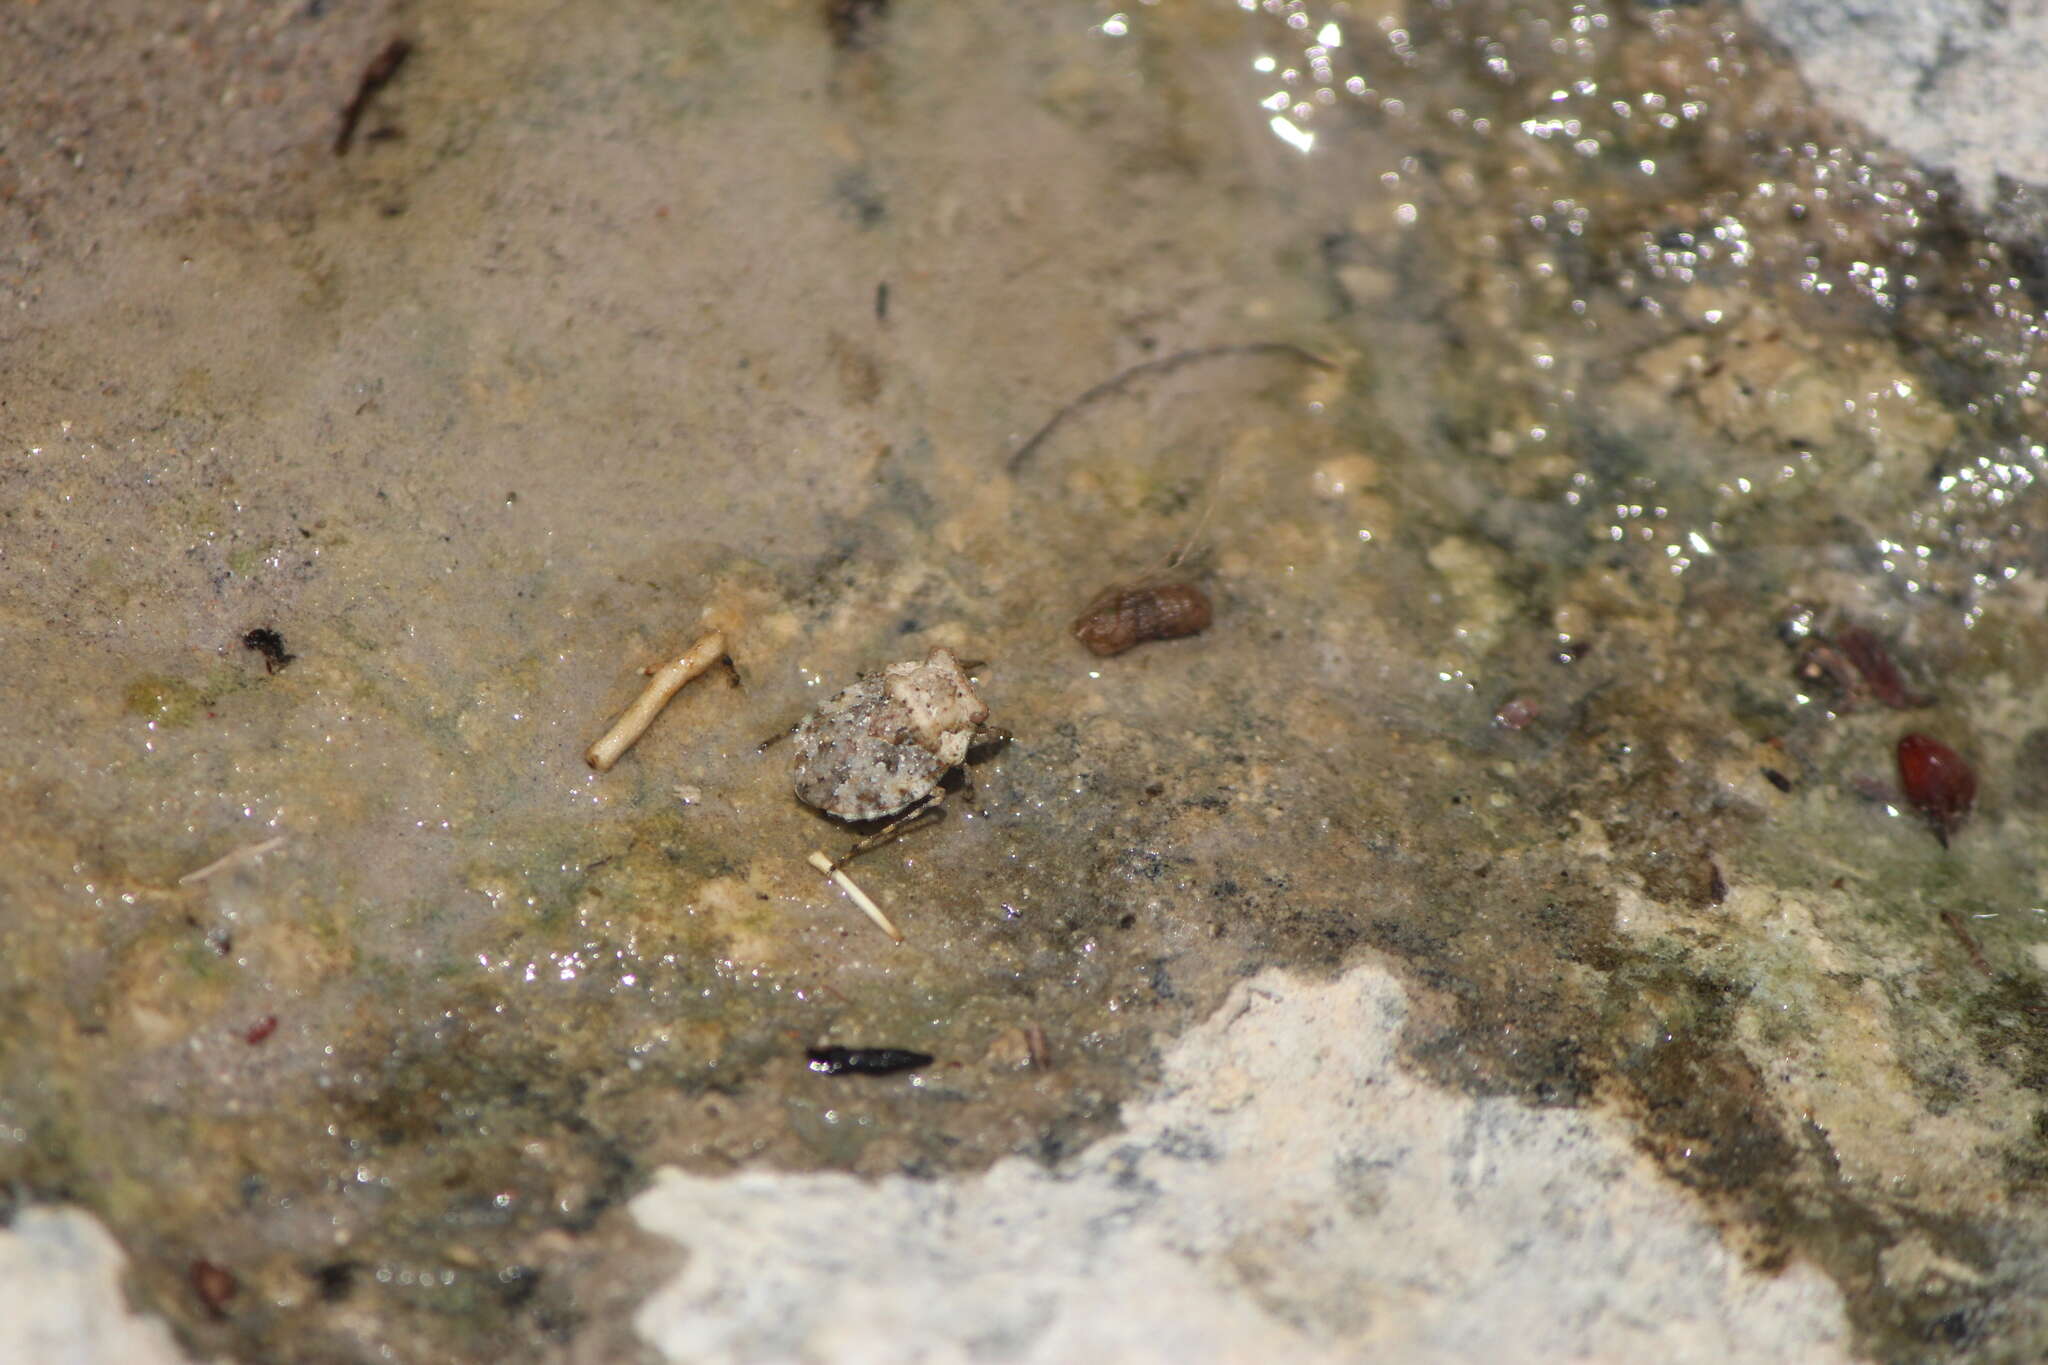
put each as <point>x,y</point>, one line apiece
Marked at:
<point>1938,783</point>
<point>214,1285</point>
<point>260,1030</point>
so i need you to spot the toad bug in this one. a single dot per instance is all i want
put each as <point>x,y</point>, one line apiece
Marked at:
<point>882,745</point>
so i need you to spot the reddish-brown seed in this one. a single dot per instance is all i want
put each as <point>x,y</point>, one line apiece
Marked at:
<point>260,1030</point>
<point>1121,617</point>
<point>214,1285</point>
<point>1938,783</point>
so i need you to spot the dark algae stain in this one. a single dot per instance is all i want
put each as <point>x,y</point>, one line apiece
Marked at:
<point>2008,1021</point>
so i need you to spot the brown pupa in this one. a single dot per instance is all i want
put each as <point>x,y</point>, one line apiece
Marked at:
<point>1120,617</point>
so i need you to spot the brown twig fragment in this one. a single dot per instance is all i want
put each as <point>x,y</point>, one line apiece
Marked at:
<point>855,894</point>
<point>375,77</point>
<point>664,684</point>
<point>235,857</point>
<point>1968,940</point>
<point>1164,365</point>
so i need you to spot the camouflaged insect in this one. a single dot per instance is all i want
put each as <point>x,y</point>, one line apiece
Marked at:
<point>882,744</point>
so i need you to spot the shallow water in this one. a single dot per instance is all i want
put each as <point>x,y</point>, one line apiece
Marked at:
<point>1637,376</point>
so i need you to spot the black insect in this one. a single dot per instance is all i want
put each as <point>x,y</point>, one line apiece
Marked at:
<point>865,1061</point>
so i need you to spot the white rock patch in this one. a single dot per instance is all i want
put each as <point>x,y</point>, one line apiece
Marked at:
<point>1289,1193</point>
<point>61,1300</point>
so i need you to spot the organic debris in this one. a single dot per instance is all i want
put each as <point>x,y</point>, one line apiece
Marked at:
<point>855,894</point>
<point>663,684</point>
<point>375,77</point>
<point>270,645</point>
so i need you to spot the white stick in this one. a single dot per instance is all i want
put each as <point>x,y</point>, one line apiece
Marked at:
<point>233,858</point>
<point>666,682</point>
<point>856,895</point>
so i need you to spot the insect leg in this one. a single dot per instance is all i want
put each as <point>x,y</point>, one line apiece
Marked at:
<point>925,805</point>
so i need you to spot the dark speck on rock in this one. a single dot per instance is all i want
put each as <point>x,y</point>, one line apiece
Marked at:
<point>270,645</point>
<point>864,1061</point>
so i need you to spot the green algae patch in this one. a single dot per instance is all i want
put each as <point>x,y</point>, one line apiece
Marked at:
<point>248,560</point>
<point>163,700</point>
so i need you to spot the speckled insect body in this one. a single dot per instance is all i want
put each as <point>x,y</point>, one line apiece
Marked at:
<point>882,745</point>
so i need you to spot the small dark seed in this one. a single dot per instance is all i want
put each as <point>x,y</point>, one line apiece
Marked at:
<point>1777,779</point>
<point>334,1280</point>
<point>865,1061</point>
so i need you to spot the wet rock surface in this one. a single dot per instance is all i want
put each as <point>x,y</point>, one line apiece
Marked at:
<point>1637,374</point>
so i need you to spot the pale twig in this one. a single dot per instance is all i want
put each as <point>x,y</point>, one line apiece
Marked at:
<point>856,895</point>
<point>247,853</point>
<point>665,683</point>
